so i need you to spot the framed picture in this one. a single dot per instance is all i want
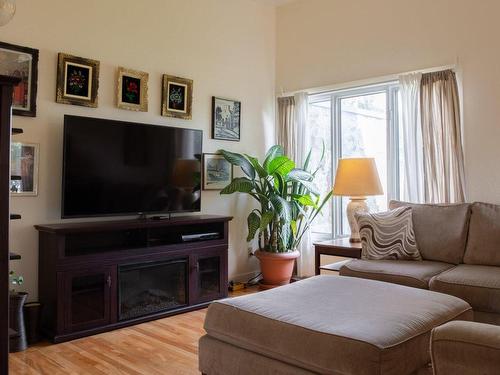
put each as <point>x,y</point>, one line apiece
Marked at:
<point>21,62</point>
<point>77,80</point>
<point>226,115</point>
<point>132,91</point>
<point>177,97</point>
<point>24,169</point>
<point>217,172</point>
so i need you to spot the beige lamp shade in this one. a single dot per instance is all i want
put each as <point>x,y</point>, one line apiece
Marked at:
<point>357,177</point>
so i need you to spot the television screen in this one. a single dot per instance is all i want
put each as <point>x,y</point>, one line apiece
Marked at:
<point>123,168</point>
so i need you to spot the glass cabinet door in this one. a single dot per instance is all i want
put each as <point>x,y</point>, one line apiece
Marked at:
<point>207,278</point>
<point>88,299</point>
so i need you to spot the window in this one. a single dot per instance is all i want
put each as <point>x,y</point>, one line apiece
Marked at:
<point>361,122</point>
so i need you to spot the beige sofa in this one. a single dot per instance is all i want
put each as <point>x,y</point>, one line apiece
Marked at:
<point>460,245</point>
<point>465,348</point>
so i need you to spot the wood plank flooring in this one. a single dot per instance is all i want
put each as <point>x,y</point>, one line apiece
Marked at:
<point>162,347</point>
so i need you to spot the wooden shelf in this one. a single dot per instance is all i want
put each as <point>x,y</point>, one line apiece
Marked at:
<point>334,266</point>
<point>6,88</point>
<point>14,256</point>
<point>17,131</point>
<point>15,217</point>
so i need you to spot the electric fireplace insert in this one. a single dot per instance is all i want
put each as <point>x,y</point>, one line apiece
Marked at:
<point>152,287</point>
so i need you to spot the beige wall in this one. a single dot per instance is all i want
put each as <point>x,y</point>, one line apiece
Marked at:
<point>323,42</point>
<point>226,46</point>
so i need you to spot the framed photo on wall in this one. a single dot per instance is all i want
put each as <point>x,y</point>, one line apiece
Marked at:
<point>77,80</point>
<point>132,91</point>
<point>21,62</point>
<point>24,169</point>
<point>217,172</point>
<point>226,115</point>
<point>177,97</point>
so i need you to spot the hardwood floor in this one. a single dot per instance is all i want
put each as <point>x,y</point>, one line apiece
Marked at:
<point>165,346</point>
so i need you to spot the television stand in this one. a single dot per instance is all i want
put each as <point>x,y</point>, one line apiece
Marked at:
<point>99,276</point>
<point>161,217</point>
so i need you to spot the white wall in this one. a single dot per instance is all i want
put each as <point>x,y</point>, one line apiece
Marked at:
<point>226,46</point>
<point>323,42</point>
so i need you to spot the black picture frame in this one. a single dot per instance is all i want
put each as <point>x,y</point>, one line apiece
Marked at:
<point>226,126</point>
<point>216,185</point>
<point>27,88</point>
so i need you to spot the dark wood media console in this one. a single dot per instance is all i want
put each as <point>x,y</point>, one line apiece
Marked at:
<point>98,276</point>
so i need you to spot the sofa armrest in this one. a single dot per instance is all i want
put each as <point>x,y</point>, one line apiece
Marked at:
<point>465,348</point>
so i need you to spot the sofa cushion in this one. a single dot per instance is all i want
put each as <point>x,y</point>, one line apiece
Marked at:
<point>483,245</point>
<point>440,229</point>
<point>388,235</point>
<point>337,325</point>
<point>403,272</point>
<point>478,285</point>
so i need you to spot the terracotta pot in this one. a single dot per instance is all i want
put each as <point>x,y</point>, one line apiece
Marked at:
<point>276,268</point>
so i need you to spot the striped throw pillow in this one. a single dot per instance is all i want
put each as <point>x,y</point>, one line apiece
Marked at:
<point>388,235</point>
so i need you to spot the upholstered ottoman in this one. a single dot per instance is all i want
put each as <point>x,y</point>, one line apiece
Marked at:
<point>326,325</point>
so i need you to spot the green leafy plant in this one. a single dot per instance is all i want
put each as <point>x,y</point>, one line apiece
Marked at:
<point>288,198</point>
<point>15,280</point>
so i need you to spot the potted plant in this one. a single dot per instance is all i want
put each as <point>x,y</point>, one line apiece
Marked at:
<point>16,316</point>
<point>288,203</point>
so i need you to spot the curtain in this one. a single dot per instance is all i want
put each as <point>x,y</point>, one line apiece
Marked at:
<point>413,173</point>
<point>285,131</point>
<point>292,135</point>
<point>442,139</point>
<point>305,263</point>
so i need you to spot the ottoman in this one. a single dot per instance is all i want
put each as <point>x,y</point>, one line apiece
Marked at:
<point>326,325</point>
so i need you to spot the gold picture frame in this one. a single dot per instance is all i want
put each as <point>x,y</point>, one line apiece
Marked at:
<point>177,97</point>
<point>132,90</point>
<point>77,80</point>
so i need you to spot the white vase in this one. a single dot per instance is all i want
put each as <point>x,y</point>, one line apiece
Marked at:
<point>355,205</point>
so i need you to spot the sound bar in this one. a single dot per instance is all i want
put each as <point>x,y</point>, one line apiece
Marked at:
<point>200,237</point>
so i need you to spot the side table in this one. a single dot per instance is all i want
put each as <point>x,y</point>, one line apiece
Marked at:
<point>339,247</point>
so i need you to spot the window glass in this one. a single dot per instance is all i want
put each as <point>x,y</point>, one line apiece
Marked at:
<point>363,132</point>
<point>319,119</point>
<point>361,122</point>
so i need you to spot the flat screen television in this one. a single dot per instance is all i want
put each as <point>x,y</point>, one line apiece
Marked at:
<point>124,168</point>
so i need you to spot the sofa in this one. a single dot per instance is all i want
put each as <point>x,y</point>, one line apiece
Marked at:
<point>460,247</point>
<point>465,348</point>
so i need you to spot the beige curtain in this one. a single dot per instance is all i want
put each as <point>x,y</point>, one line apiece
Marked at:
<point>285,131</point>
<point>442,138</point>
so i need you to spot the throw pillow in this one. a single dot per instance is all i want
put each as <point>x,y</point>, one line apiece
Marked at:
<point>388,235</point>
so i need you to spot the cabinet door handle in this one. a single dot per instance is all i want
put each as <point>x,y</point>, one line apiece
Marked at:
<point>108,281</point>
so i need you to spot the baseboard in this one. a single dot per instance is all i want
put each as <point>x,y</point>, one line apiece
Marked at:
<point>244,277</point>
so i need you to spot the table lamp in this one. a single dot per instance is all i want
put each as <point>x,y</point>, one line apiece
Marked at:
<point>356,178</point>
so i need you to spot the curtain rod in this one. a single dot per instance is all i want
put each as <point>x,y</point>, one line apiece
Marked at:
<point>364,82</point>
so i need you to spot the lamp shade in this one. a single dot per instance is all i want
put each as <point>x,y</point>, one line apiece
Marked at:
<point>357,177</point>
